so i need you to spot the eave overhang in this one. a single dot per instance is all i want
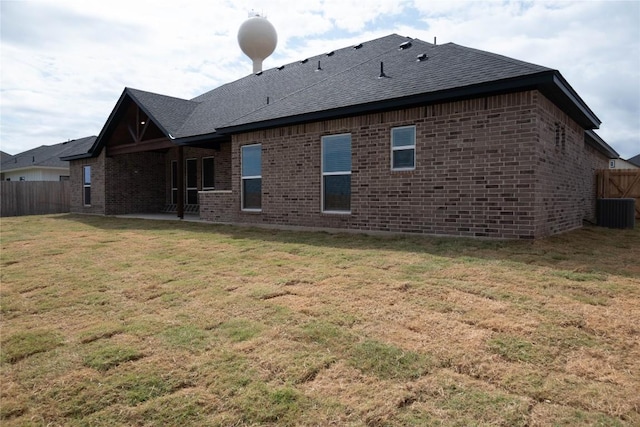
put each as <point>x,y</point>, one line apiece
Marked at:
<point>550,83</point>
<point>593,139</point>
<point>204,140</point>
<point>86,155</point>
<point>116,115</point>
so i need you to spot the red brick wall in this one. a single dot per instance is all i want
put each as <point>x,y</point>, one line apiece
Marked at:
<point>565,172</point>
<point>218,206</point>
<point>97,185</point>
<point>484,167</point>
<point>135,183</point>
<point>474,176</point>
<point>488,167</point>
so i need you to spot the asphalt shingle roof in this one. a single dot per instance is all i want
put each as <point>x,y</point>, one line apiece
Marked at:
<point>347,81</point>
<point>237,99</point>
<point>170,113</point>
<point>48,155</point>
<point>446,67</point>
<point>4,156</point>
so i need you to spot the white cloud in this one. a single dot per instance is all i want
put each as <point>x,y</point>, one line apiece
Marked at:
<point>595,46</point>
<point>66,62</point>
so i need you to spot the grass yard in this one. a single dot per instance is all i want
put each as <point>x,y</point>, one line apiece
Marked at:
<point>110,321</point>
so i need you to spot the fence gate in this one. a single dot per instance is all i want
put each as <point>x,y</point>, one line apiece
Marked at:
<point>619,184</point>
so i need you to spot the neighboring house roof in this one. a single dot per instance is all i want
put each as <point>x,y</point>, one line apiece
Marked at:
<point>635,160</point>
<point>383,74</point>
<point>48,156</point>
<point>4,156</point>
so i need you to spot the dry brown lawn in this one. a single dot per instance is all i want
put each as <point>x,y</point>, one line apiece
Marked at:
<point>109,321</point>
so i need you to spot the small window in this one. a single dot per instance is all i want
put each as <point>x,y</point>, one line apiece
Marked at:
<point>208,182</point>
<point>251,177</point>
<point>403,148</point>
<point>86,185</point>
<point>192,181</point>
<point>336,173</point>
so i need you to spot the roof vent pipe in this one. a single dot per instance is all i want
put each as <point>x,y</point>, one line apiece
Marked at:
<point>382,74</point>
<point>319,67</point>
<point>434,40</point>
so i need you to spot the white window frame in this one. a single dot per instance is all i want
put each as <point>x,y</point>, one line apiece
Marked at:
<point>86,185</point>
<point>404,148</point>
<point>243,178</point>
<point>323,174</point>
<point>214,173</point>
<point>186,179</point>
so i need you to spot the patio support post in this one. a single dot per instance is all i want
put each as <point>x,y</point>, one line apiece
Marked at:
<point>181,182</point>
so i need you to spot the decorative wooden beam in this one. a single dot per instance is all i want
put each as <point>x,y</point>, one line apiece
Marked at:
<point>150,145</point>
<point>137,123</point>
<point>144,128</point>
<point>133,135</point>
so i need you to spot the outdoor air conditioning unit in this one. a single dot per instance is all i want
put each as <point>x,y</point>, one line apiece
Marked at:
<point>616,213</point>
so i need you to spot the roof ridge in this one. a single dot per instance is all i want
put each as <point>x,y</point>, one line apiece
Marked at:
<point>505,58</point>
<point>131,89</point>
<point>148,101</point>
<point>290,94</point>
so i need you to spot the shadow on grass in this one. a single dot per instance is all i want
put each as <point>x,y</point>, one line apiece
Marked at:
<point>587,250</point>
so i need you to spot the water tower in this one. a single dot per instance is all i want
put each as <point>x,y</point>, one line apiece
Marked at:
<point>257,38</point>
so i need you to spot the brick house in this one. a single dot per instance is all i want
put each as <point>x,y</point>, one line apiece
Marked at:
<point>394,134</point>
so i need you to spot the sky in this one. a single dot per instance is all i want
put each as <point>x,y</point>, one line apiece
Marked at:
<point>65,63</point>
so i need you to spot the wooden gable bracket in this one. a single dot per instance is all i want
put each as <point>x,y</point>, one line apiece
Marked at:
<point>142,123</point>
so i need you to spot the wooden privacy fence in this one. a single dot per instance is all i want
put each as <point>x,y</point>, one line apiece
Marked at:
<point>19,198</point>
<point>619,184</point>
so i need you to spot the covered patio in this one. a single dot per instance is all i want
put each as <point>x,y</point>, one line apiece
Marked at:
<point>149,172</point>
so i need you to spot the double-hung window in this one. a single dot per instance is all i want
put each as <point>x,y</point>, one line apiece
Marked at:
<point>208,182</point>
<point>336,173</point>
<point>192,181</point>
<point>403,148</point>
<point>251,177</point>
<point>86,185</point>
